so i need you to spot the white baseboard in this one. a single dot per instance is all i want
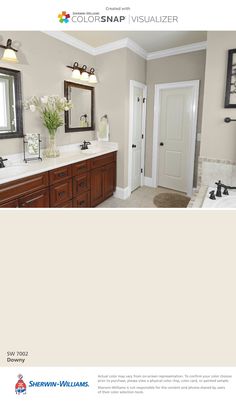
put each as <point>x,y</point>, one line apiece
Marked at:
<point>122,193</point>
<point>148,182</point>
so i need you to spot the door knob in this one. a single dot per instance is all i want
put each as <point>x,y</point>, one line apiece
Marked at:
<point>161,143</point>
<point>133,146</point>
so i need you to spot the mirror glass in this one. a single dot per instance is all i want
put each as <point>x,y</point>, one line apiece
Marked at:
<point>10,104</point>
<point>80,117</point>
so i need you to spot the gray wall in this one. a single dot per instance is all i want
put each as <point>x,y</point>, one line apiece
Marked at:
<point>110,100</point>
<point>184,67</point>
<point>116,69</point>
<point>42,62</point>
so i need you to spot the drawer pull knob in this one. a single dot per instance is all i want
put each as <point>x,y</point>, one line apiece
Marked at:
<point>62,174</point>
<point>82,184</point>
<point>62,193</point>
<point>82,202</point>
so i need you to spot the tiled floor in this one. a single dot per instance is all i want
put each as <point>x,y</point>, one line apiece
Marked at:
<point>141,197</point>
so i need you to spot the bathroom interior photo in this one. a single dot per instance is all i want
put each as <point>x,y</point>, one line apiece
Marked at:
<point>118,119</point>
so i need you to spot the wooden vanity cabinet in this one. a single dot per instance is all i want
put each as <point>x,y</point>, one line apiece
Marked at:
<point>103,178</point>
<point>83,184</point>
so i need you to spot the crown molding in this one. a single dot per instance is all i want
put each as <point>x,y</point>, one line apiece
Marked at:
<point>134,47</point>
<point>124,43</point>
<point>193,47</point>
<point>109,47</point>
<point>70,40</point>
<point>120,44</point>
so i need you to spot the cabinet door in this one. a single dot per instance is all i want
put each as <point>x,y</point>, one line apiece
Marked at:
<point>13,203</point>
<point>81,184</point>
<point>96,186</point>
<point>108,180</point>
<point>61,193</point>
<point>36,199</point>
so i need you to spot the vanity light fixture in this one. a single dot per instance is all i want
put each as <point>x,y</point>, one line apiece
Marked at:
<point>9,54</point>
<point>81,73</point>
<point>84,75</point>
<point>76,71</point>
<point>92,76</point>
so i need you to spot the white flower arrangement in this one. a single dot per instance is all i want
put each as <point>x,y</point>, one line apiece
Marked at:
<point>50,109</point>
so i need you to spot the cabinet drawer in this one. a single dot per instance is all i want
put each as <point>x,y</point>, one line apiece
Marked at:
<point>66,204</point>
<point>37,199</point>
<point>59,174</point>
<point>82,200</point>
<point>13,203</point>
<point>81,184</point>
<point>103,160</point>
<point>81,167</point>
<point>60,193</point>
<point>24,186</point>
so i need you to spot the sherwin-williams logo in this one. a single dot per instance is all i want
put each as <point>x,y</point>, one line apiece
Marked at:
<point>64,17</point>
<point>20,387</point>
<point>61,383</point>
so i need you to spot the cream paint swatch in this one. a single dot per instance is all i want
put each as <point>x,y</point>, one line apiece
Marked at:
<point>130,287</point>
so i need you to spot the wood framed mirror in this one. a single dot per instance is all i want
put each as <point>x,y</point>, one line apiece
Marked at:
<point>81,116</point>
<point>11,109</point>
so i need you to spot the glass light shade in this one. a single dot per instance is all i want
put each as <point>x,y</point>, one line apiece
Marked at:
<point>9,55</point>
<point>84,76</point>
<point>93,79</point>
<point>76,74</point>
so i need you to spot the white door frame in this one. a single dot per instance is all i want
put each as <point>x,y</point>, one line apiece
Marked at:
<point>134,84</point>
<point>155,149</point>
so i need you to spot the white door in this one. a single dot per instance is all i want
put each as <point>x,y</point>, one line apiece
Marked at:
<point>137,137</point>
<point>176,119</point>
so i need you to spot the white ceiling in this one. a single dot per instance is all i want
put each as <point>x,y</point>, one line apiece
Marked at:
<point>151,41</point>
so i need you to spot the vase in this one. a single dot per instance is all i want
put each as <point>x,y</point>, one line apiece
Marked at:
<point>52,150</point>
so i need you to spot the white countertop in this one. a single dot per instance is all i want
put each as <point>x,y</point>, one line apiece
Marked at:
<point>16,168</point>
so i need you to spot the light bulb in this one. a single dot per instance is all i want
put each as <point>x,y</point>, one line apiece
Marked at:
<point>76,74</point>
<point>93,79</point>
<point>84,76</point>
<point>9,55</point>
